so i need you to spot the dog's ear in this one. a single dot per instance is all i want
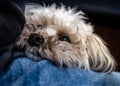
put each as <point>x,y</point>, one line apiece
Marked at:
<point>100,57</point>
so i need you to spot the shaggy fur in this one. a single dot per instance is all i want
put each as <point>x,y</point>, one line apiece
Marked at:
<point>82,48</point>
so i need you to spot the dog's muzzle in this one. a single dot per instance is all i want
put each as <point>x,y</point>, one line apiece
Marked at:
<point>35,40</point>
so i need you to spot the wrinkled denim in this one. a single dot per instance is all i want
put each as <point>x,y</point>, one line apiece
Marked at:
<point>24,72</point>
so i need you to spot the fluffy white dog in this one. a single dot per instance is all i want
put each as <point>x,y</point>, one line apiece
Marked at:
<point>61,35</point>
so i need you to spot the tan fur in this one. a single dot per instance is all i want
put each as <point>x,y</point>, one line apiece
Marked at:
<point>86,49</point>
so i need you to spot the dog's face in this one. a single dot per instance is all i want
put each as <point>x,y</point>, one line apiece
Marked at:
<point>62,36</point>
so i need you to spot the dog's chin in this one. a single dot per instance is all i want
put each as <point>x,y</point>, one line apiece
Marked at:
<point>32,53</point>
<point>61,55</point>
<point>65,54</point>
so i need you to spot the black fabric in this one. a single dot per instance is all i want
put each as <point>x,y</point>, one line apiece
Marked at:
<point>11,23</point>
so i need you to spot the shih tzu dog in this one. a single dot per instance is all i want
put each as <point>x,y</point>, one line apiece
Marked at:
<point>61,35</point>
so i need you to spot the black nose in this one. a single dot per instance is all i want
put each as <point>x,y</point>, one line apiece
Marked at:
<point>35,40</point>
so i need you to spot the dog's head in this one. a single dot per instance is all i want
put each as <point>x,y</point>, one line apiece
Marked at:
<point>62,36</point>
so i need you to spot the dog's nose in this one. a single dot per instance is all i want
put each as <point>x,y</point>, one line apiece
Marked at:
<point>35,40</point>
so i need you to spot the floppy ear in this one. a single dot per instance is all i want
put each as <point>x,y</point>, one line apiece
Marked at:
<point>100,57</point>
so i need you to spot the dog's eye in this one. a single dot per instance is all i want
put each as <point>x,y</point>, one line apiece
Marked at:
<point>64,38</point>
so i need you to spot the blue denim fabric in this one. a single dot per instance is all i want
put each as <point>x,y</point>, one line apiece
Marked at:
<point>24,72</point>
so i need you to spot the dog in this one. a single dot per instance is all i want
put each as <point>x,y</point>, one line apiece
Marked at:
<point>60,34</point>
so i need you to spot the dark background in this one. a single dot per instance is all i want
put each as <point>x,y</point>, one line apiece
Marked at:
<point>104,15</point>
